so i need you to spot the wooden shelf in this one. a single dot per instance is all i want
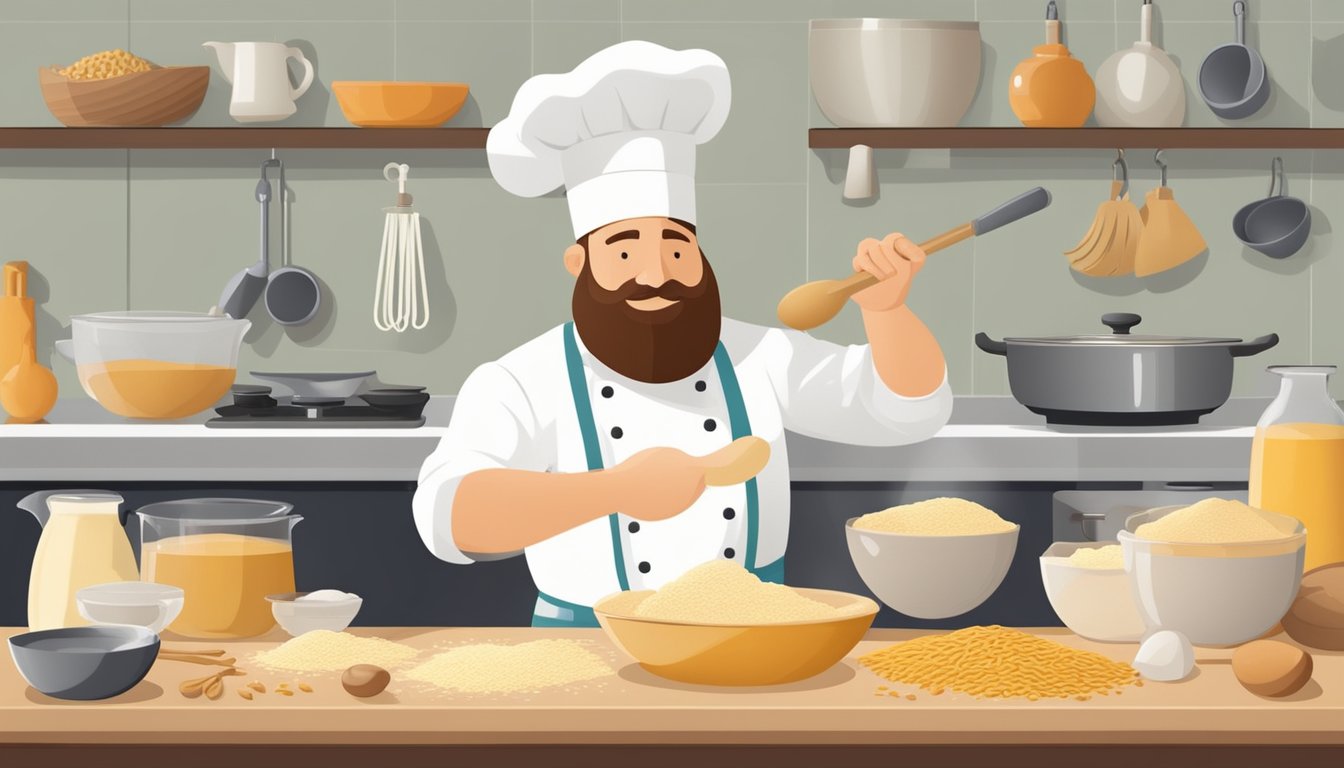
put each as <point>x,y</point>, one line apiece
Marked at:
<point>1077,138</point>
<point>243,138</point>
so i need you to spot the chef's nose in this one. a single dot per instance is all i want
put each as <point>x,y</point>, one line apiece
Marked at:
<point>653,273</point>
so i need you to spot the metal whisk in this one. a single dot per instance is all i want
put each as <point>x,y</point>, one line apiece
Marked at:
<point>401,295</point>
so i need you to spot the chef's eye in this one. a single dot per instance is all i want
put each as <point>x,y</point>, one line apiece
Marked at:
<point>676,254</point>
<point>624,255</point>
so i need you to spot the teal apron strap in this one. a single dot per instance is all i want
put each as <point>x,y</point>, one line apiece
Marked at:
<point>741,427</point>
<point>583,406</point>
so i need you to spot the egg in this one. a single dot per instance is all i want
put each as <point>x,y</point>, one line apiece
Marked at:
<point>365,680</point>
<point>1165,656</point>
<point>1271,667</point>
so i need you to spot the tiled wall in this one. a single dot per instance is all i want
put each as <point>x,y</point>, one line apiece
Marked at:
<point>165,229</point>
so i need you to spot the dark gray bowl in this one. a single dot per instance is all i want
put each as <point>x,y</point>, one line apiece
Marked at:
<point>1276,226</point>
<point>85,663</point>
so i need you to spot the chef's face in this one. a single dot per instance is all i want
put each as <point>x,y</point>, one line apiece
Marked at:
<point>646,303</point>
<point>660,256</point>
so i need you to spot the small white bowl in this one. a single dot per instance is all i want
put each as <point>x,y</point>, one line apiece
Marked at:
<point>1095,603</point>
<point>298,616</point>
<point>931,577</point>
<point>1214,594</point>
<point>137,603</point>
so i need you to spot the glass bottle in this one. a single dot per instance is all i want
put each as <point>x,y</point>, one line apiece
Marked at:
<point>1297,459</point>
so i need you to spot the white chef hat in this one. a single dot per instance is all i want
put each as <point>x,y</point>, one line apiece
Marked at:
<point>619,132</point>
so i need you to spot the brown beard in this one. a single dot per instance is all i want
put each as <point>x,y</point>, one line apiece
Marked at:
<point>655,346</point>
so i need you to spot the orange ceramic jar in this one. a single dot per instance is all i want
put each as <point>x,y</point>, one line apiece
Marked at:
<point>1051,89</point>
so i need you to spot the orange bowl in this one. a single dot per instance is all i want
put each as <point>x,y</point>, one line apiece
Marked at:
<point>387,104</point>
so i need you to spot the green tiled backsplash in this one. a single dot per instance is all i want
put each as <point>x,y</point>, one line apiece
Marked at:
<point>165,229</point>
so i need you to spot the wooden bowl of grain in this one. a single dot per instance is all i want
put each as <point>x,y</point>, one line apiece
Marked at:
<point>161,96</point>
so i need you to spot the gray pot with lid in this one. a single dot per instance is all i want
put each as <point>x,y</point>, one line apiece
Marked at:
<point>1122,378</point>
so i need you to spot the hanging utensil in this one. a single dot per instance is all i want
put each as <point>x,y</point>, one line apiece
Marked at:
<point>1169,238</point>
<point>401,294</point>
<point>1107,250</point>
<point>293,294</point>
<point>1051,89</point>
<point>1140,86</point>
<point>1276,226</point>
<point>243,289</point>
<point>812,304</point>
<point>1232,79</point>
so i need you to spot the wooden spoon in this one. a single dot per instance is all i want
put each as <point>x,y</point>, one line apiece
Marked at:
<point>196,686</point>
<point>227,661</point>
<point>736,462</point>
<point>814,303</point>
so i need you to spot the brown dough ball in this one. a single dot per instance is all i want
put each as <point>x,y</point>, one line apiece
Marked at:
<point>365,680</point>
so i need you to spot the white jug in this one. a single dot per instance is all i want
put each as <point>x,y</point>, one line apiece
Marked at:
<point>83,543</point>
<point>260,78</point>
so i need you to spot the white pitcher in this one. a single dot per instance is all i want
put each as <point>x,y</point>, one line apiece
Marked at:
<point>83,543</point>
<point>260,78</point>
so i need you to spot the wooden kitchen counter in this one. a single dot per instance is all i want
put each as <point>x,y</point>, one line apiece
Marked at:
<point>633,717</point>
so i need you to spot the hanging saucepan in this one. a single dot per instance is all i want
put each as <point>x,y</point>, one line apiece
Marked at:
<point>1122,379</point>
<point>1276,226</point>
<point>1232,78</point>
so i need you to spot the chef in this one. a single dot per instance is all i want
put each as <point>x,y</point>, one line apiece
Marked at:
<point>576,449</point>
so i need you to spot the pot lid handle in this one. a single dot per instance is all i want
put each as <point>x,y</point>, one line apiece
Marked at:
<point>1120,322</point>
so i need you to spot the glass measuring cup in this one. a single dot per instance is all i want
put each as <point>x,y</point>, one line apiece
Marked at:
<point>226,555</point>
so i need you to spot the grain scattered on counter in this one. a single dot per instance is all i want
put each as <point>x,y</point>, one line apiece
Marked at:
<point>723,592</point>
<point>998,662</point>
<point>1212,521</point>
<point>246,693</point>
<point>1109,557</point>
<point>530,666</point>
<point>325,651</point>
<point>942,516</point>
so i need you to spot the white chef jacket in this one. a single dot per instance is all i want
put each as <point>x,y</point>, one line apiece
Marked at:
<point>518,412</point>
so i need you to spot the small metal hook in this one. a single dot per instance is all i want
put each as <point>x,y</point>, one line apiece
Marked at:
<point>1157,158</point>
<point>1123,169</point>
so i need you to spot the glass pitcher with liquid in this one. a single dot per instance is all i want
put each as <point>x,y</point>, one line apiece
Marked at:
<point>1297,459</point>
<point>83,543</point>
<point>226,555</point>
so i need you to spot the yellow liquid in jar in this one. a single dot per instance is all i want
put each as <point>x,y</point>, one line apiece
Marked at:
<point>225,577</point>
<point>1298,470</point>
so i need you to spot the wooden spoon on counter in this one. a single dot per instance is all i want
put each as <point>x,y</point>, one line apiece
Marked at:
<point>211,685</point>
<point>736,462</point>
<point>814,303</point>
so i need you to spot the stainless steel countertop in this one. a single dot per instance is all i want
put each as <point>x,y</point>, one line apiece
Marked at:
<point>988,439</point>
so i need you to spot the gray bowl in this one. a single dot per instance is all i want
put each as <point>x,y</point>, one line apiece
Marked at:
<point>85,663</point>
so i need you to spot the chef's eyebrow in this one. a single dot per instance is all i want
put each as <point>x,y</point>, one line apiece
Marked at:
<point>629,234</point>
<point>672,234</point>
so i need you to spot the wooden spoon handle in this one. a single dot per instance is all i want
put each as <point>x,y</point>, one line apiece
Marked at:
<point>860,280</point>
<point>190,652</point>
<point>220,662</point>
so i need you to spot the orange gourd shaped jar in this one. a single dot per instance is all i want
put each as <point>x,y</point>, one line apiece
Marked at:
<point>1051,89</point>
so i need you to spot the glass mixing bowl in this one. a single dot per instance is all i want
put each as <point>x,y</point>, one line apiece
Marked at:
<point>155,365</point>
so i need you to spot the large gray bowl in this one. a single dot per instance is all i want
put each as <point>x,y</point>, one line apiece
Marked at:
<point>85,663</point>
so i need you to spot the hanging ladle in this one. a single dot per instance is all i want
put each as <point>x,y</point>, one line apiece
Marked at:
<point>814,303</point>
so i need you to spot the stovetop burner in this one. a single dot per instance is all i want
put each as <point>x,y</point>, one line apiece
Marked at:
<point>254,406</point>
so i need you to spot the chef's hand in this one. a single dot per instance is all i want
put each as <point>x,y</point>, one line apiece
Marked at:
<point>658,483</point>
<point>894,260</point>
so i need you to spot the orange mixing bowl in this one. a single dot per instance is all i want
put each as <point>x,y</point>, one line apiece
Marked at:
<point>387,104</point>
